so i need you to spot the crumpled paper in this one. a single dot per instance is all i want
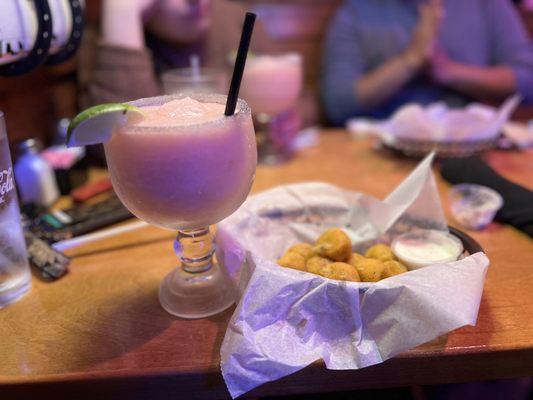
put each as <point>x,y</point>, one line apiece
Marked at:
<point>287,319</point>
<point>437,122</point>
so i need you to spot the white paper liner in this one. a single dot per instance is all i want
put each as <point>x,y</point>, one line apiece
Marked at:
<point>437,122</point>
<point>287,319</point>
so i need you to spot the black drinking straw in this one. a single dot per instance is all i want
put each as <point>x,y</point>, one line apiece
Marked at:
<point>246,36</point>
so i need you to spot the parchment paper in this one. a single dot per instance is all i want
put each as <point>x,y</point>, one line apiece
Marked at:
<point>287,319</point>
<point>438,122</point>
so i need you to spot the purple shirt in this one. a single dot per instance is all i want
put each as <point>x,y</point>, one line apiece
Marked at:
<point>365,33</point>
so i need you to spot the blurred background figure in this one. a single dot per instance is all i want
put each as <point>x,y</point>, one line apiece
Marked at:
<point>140,39</point>
<point>143,39</point>
<point>381,54</point>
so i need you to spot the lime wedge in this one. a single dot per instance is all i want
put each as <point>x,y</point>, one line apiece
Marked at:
<point>95,125</point>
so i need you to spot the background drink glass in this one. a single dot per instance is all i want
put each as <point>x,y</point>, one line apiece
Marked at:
<point>189,80</point>
<point>185,178</point>
<point>15,275</point>
<point>271,85</point>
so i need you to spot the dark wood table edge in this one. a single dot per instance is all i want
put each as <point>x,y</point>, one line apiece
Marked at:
<point>396,372</point>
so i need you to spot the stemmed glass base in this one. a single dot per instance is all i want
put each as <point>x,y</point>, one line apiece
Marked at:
<point>197,288</point>
<point>268,153</point>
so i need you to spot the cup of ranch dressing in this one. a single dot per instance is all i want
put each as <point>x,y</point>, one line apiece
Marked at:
<point>425,247</point>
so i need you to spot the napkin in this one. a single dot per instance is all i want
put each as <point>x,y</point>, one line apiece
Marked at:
<point>438,122</point>
<point>287,319</point>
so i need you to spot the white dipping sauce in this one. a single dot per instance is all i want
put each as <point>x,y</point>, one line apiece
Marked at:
<point>425,247</point>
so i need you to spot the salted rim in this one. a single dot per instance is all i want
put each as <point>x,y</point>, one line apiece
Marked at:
<point>242,111</point>
<point>289,56</point>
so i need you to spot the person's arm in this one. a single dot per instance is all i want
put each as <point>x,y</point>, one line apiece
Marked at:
<point>124,68</point>
<point>511,59</point>
<point>386,80</point>
<point>478,82</point>
<point>347,88</point>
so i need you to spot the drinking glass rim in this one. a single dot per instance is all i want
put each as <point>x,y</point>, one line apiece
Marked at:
<point>185,74</point>
<point>242,111</point>
<point>290,56</point>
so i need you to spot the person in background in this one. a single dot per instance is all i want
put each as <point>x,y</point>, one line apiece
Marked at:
<point>140,39</point>
<point>381,54</point>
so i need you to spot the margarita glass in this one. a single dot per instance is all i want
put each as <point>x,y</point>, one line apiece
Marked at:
<point>185,166</point>
<point>271,85</point>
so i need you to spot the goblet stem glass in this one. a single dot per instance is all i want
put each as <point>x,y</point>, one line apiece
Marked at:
<point>197,288</point>
<point>268,152</point>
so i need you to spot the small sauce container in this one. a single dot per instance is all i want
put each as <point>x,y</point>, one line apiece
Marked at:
<point>420,248</point>
<point>474,206</point>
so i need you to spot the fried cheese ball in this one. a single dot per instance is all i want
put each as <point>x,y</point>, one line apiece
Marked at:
<point>334,244</point>
<point>342,272</point>
<point>292,260</point>
<point>305,249</point>
<point>380,252</point>
<point>318,265</point>
<point>393,268</point>
<point>356,259</point>
<point>371,270</point>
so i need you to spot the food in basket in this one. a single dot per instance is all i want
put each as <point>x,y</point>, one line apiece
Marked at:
<point>392,268</point>
<point>381,252</point>
<point>342,272</point>
<point>371,270</point>
<point>332,258</point>
<point>305,249</point>
<point>356,259</point>
<point>318,265</point>
<point>334,244</point>
<point>293,260</point>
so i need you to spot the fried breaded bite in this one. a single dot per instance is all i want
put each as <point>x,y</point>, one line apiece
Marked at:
<point>371,270</point>
<point>334,244</point>
<point>342,272</point>
<point>381,252</point>
<point>393,268</point>
<point>318,265</point>
<point>292,260</point>
<point>356,259</point>
<point>305,249</point>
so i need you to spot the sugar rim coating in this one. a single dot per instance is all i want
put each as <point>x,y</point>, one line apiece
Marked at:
<point>292,57</point>
<point>242,111</point>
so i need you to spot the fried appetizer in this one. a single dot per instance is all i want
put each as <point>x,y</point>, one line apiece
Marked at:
<point>371,270</point>
<point>292,260</point>
<point>393,268</point>
<point>380,252</point>
<point>356,259</point>
<point>342,272</point>
<point>305,249</point>
<point>334,244</point>
<point>318,265</point>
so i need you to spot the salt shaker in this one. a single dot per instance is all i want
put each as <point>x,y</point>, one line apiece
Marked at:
<point>35,178</point>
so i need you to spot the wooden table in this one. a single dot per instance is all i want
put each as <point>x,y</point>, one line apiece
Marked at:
<point>100,330</point>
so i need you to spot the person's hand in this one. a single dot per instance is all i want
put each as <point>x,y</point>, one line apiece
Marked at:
<point>425,33</point>
<point>442,68</point>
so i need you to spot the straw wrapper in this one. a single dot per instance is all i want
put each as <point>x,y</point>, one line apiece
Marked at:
<point>287,319</point>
